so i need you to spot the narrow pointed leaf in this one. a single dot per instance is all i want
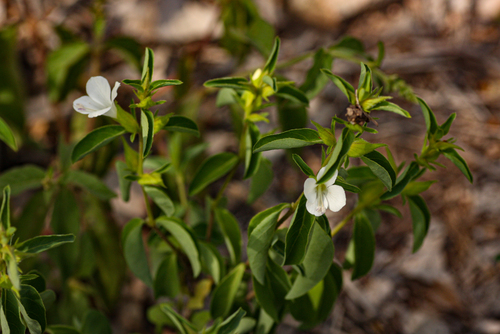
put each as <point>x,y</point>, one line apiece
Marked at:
<point>297,236</point>
<point>211,170</point>
<point>293,94</point>
<point>232,234</point>
<point>381,167</point>
<point>343,85</point>
<point>224,293</point>
<point>7,136</point>
<point>303,166</point>
<point>147,125</point>
<point>339,152</point>
<point>430,119</point>
<point>273,57</point>
<point>288,139</point>
<point>182,124</point>
<point>235,83</point>
<point>364,246</point>
<point>95,140</point>
<point>421,218</point>
<point>454,157</point>
<point>43,242</point>
<point>231,323</point>
<point>389,106</point>
<point>134,251</point>
<point>90,183</point>
<point>161,199</point>
<point>22,178</point>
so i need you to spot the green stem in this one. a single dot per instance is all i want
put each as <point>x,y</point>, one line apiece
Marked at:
<point>179,179</point>
<point>340,225</point>
<point>290,212</point>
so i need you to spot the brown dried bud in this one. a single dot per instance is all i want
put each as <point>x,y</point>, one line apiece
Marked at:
<point>356,116</point>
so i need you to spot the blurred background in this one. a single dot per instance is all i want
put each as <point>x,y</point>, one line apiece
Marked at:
<point>448,51</point>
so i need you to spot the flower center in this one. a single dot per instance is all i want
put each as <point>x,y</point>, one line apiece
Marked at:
<point>320,191</point>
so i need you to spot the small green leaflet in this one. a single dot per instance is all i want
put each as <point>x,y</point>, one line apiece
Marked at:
<point>211,170</point>
<point>95,140</point>
<point>288,139</point>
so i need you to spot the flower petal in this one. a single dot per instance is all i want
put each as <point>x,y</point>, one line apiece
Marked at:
<point>85,105</point>
<point>331,181</point>
<point>310,189</point>
<point>114,92</point>
<point>99,112</point>
<point>312,208</point>
<point>98,89</point>
<point>336,198</point>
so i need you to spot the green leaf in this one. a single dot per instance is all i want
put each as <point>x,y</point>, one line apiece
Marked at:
<point>273,57</point>
<point>211,261</point>
<point>402,181</point>
<point>343,85</point>
<point>134,83</point>
<point>341,148</point>
<point>293,94</point>
<point>5,208</point>
<point>261,180</point>
<point>167,282</point>
<point>147,69</point>
<point>7,136</point>
<point>364,246</point>
<point>95,323</point>
<point>361,147</point>
<point>211,170</point>
<point>134,251</point>
<point>226,96</point>
<point>421,218</point>
<point>184,326</point>
<point>161,199</point>
<point>261,35</point>
<point>232,234</point>
<point>454,157</point>
<point>381,167</point>
<point>230,325</point>
<point>297,236</point>
<point>10,315</point>
<point>347,186</point>
<point>90,183</point>
<point>260,236</point>
<point>235,83</point>
<point>303,166</point>
<point>271,293</point>
<point>389,106</point>
<point>22,178</point>
<point>416,187</point>
<point>430,119</point>
<point>224,293</point>
<point>445,127</point>
<point>122,171</point>
<point>164,83</point>
<point>34,309</point>
<point>182,124</point>
<point>126,120</point>
<point>43,242</point>
<point>95,140</point>
<point>184,237</point>
<point>325,134</point>
<point>147,124</point>
<point>390,209</point>
<point>315,81</point>
<point>365,81</point>
<point>317,261</point>
<point>252,160</point>
<point>288,139</point>
<point>64,67</point>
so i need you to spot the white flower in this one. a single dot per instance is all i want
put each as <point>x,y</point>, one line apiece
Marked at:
<point>100,99</point>
<point>323,196</point>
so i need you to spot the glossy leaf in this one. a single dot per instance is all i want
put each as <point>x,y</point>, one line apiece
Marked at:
<point>224,293</point>
<point>297,237</point>
<point>43,242</point>
<point>211,170</point>
<point>252,160</point>
<point>179,231</point>
<point>293,94</point>
<point>339,152</point>
<point>364,246</point>
<point>273,57</point>
<point>232,234</point>
<point>454,157</point>
<point>95,140</point>
<point>235,83</point>
<point>421,218</point>
<point>343,85</point>
<point>90,183</point>
<point>230,325</point>
<point>22,178</point>
<point>7,136</point>
<point>147,125</point>
<point>389,106</point>
<point>303,166</point>
<point>164,83</point>
<point>381,167</point>
<point>134,251</point>
<point>34,314</point>
<point>11,316</point>
<point>161,199</point>
<point>147,69</point>
<point>430,119</point>
<point>402,181</point>
<point>361,147</point>
<point>260,236</point>
<point>182,124</point>
<point>288,139</point>
<point>365,81</point>
<point>317,261</point>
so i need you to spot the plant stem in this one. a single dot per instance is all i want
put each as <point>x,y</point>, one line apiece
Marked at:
<point>290,212</point>
<point>179,179</point>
